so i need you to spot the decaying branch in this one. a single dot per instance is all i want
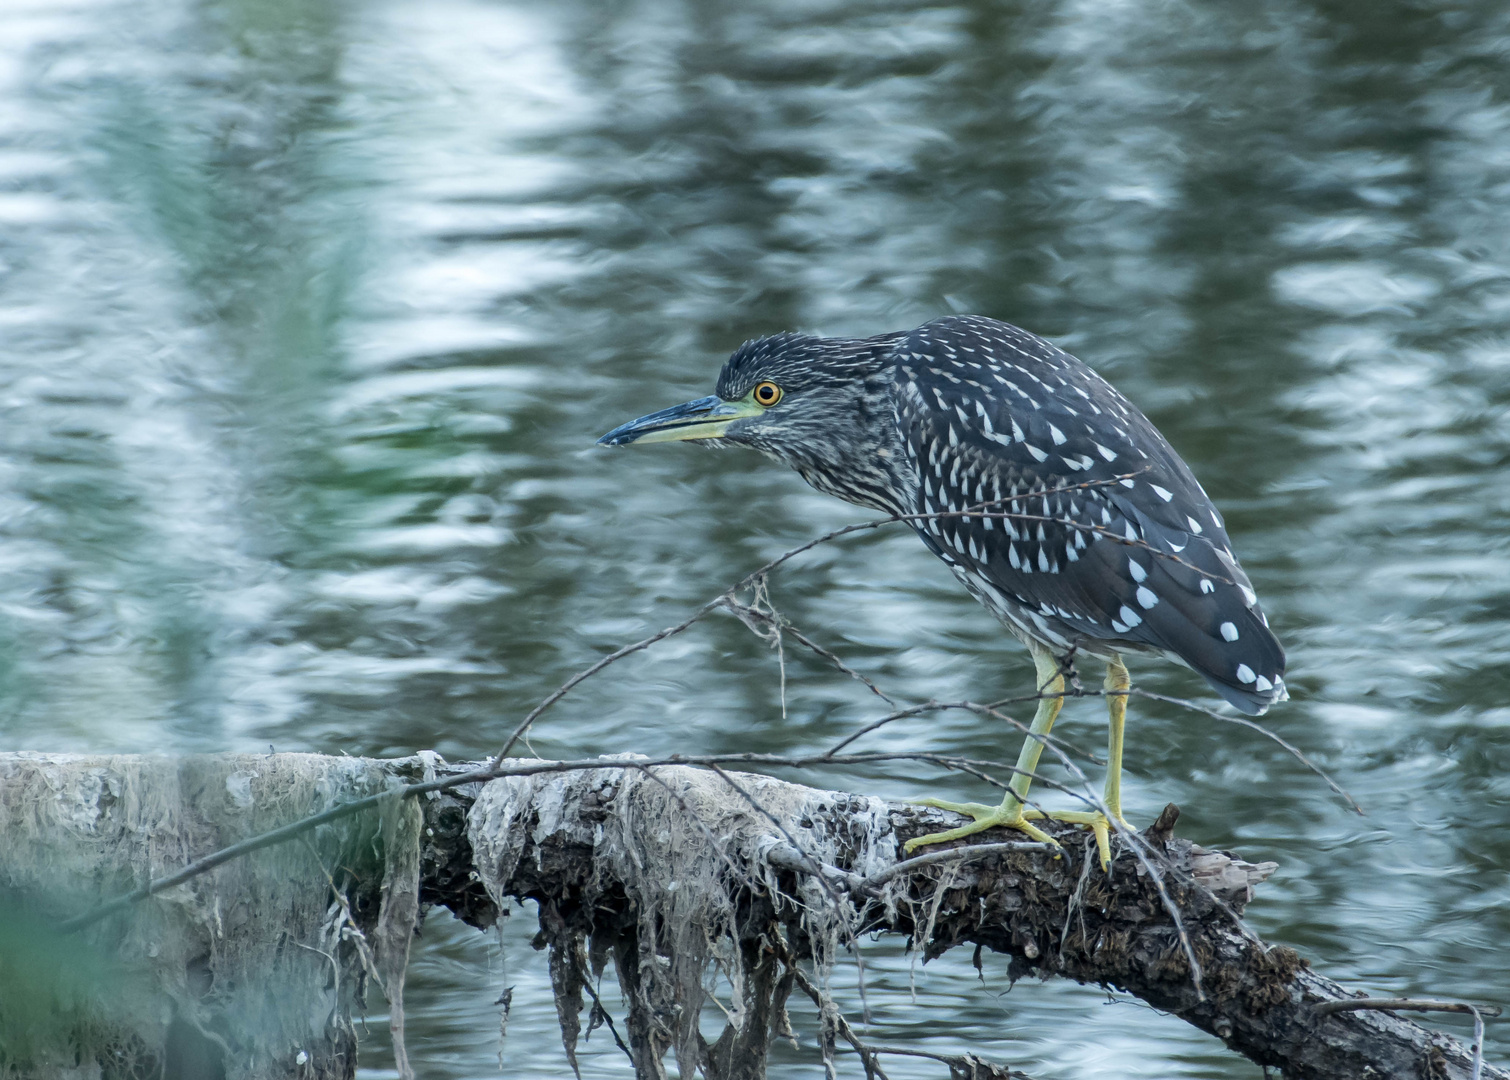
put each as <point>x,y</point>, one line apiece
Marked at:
<point>1051,912</point>
<point>662,873</point>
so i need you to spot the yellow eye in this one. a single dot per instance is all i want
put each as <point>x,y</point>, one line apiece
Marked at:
<point>767,394</point>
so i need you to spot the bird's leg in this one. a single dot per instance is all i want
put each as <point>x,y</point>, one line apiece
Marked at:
<point>1010,813</point>
<point>1116,685</point>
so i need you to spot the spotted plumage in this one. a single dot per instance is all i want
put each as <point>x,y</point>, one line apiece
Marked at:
<point>1086,529</point>
<point>1106,542</point>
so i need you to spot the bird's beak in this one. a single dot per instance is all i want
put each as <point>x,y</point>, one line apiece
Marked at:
<point>705,418</point>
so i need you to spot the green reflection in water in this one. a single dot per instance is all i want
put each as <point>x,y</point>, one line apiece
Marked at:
<point>61,1000</point>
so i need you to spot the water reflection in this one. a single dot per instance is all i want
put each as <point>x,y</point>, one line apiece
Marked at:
<point>310,314</point>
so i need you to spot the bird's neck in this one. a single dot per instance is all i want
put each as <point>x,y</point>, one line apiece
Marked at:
<point>859,456</point>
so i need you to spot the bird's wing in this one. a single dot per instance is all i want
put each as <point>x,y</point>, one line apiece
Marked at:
<point>1106,535</point>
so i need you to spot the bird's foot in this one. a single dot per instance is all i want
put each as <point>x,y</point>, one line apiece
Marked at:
<point>1097,822</point>
<point>1008,815</point>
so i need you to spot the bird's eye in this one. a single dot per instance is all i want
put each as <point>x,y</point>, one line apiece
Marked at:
<point>767,394</point>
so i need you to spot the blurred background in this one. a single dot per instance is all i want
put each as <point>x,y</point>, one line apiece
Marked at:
<point>310,314</point>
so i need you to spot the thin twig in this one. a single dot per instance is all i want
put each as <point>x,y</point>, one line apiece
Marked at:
<point>968,853</point>
<point>868,1051</point>
<point>934,705</point>
<point>1327,1008</point>
<point>900,714</point>
<point>585,976</point>
<point>1075,904</point>
<point>1245,722</point>
<point>778,625</point>
<point>588,672</point>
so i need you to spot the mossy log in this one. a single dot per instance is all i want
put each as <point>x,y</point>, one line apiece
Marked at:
<point>253,969</point>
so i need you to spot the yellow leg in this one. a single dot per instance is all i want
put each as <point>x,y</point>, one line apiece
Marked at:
<point>1009,814</point>
<point>1116,685</point>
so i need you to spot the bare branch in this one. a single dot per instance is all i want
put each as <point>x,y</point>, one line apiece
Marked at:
<point>751,616</point>
<point>1326,1008</point>
<point>951,855</point>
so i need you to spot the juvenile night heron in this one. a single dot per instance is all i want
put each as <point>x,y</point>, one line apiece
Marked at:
<point>1102,542</point>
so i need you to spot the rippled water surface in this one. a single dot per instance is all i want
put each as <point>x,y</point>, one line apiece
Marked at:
<point>310,313</point>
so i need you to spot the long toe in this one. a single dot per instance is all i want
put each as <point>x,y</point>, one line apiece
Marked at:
<point>1097,823</point>
<point>985,817</point>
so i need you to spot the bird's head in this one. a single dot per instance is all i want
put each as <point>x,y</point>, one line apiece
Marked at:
<point>789,395</point>
<point>822,405</point>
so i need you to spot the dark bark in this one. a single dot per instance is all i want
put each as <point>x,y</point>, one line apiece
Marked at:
<point>1052,914</point>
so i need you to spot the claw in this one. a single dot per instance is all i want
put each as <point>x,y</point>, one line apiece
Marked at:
<point>1099,825</point>
<point>1012,816</point>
